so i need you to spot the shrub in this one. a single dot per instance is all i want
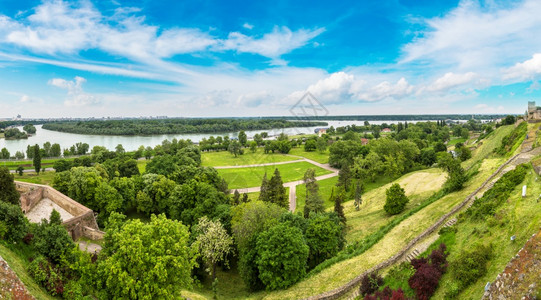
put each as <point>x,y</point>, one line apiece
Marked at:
<point>396,200</point>
<point>47,275</point>
<point>370,283</point>
<point>13,218</point>
<point>471,265</point>
<point>428,272</point>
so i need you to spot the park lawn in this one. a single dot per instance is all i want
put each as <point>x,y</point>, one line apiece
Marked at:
<point>455,141</point>
<point>17,261</point>
<point>28,164</point>
<point>224,158</point>
<point>322,158</point>
<point>252,177</point>
<point>2,135</point>
<point>142,165</point>
<point>342,272</point>
<point>517,216</point>
<point>31,177</point>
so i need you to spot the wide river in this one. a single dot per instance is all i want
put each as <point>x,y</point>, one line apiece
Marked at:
<point>131,143</point>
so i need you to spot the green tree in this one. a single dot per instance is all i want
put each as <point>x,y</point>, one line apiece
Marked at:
<point>243,138</point>
<point>456,175</point>
<point>321,145</point>
<point>310,145</point>
<point>281,256</point>
<point>359,189</point>
<point>8,192</point>
<point>314,202</point>
<point>82,185</point>
<point>264,192</point>
<point>29,128</point>
<point>53,241</point>
<point>344,177</point>
<point>338,199</point>
<point>119,149</point>
<point>12,217</point>
<point>55,150</point>
<point>138,265</point>
<point>324,236</point>
<point>235,148</point>
<point>214,243</point>
<point>4,154</point>
<point>55,218</point>
<point>37,159</point>
<point>19,155</point>
<point>277,191</point>
<point>258,139</point>
<point>20,170</point>
<point>253,146</point>
<point>108,200</point>
<point>396,200</point>
<point>248,221</point>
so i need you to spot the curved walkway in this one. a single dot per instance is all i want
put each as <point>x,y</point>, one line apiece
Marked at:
<point>292,185</point>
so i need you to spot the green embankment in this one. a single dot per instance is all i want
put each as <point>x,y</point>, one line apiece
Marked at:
<point>487,146</point>
<point>251,177</point>
<point>18,263</point>
<point>519,217</point>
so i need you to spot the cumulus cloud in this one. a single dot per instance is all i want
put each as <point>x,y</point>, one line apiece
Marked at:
<point>248,26</point>
<point>341,87</point>
<point>76,95</point>
<point>528,69</point>
<point>255,99</point>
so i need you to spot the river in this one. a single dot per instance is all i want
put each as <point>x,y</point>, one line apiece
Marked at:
<point>131,143</point>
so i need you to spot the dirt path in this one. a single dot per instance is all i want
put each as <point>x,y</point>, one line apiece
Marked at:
<point>292,185</point>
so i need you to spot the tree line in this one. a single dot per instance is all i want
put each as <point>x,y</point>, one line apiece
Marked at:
<point>173,126</point>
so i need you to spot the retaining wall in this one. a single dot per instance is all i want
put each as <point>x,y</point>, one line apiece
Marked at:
<point>83,222</point>
<point>355,282</point>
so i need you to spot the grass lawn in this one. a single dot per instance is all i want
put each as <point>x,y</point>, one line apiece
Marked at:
<point>224,158</point>
<point>313,155</point>
<point>27,164</point>
<point>455,141</point>
<point>2,135</point>
<point>16,259</point>
<point>325,188</point>
<point>32,177</point>
<point>251,177</point>
<point>142,165</point>
<point>517,216</point>
<point>342,272</point>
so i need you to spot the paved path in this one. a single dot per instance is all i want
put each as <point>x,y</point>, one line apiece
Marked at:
<point>292,185</point>
<point>89,247</point>
<point>31,170</point>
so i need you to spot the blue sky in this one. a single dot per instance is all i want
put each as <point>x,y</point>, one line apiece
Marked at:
<point>253,58</point>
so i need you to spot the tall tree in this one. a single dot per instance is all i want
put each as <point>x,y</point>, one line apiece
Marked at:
<point>338,199</point>
<point>214,243</point>
<point>314,202</point>
<point>277,191</point>
<point>8,192</point>
<point>243,138</point>
<point>264,192</point>
<point>344,176</point>
<point>359,189</point>
<point>37,159</point>
<point>235,148</point>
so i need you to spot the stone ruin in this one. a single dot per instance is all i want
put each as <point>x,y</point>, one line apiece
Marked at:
<point>38,201</point>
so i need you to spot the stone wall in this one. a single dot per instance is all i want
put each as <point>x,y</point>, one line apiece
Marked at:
<point>30,198</point>
<point>83,222</point>
<point>355,282</point>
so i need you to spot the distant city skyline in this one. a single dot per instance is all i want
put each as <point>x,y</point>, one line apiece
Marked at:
<point>229,58</point>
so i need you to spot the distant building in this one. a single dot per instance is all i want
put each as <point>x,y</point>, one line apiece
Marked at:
<point>364,141</point>
<point>534,112</point>
<point>320,131</point>
<point>386,130</point>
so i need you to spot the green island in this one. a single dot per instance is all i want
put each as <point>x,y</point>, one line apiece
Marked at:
<point>330,208</point>
<point>174,126</point>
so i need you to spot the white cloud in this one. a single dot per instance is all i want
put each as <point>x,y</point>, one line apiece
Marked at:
<point>24,98</point>
<point>528,69</point>
<point>387,90</point>
<point>254,99</point>
<point>248,26</point>
<point>274,44</point>
<point>451,80</point>
<point>76,95</point>
<point>58,27</point>
<point>474,36</point>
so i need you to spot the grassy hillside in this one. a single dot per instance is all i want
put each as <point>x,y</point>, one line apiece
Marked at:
<point>340,273</point>
<point>518,216</point>
<point>488,145</point>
